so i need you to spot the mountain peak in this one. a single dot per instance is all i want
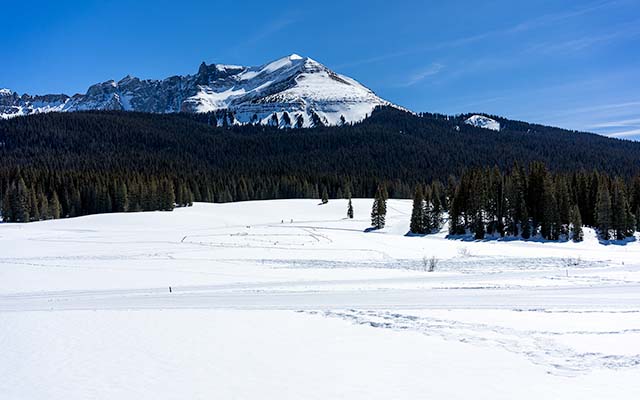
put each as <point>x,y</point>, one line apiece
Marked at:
<point>292,91</point>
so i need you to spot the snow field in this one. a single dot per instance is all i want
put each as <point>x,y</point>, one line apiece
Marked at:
<point>289,299</point>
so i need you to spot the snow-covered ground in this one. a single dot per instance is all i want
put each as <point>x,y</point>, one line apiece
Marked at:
<point>288,299</point>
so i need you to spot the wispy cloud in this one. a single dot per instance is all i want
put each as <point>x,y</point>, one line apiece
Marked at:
<point>624,31</point>
<point>549,19</point>
<point>527,25</point>
<point>616,124</point>
<point>420,76</point>
<point>271,28</point>
<point>632,132</point>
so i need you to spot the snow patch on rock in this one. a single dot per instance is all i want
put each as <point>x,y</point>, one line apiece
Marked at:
<point>481,121</point>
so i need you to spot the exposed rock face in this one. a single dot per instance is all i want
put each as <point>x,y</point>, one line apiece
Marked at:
<point>291,91</point>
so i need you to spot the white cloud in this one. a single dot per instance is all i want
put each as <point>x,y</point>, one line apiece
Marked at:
<point>632,132</point>
<point>431,70</point>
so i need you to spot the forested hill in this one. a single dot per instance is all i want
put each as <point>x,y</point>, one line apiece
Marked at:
<point>391,144</point>
<point>94,152</point>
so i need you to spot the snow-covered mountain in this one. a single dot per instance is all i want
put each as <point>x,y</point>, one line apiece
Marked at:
<point>481,121</point>
<point>291,91</point>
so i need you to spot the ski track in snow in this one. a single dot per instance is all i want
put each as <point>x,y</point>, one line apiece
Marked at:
<point>538,346</point>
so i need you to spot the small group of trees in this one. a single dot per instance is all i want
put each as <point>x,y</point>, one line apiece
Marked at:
<point>23,204</point>
<point>428,209</point>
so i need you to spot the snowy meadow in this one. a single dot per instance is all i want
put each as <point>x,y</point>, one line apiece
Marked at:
<point>290,299</point>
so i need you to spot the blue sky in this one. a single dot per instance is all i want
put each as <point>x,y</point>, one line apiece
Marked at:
<point>574,64</point>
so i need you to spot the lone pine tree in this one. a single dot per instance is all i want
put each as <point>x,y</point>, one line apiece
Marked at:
<point>379,209</point>
<point>417,213</point>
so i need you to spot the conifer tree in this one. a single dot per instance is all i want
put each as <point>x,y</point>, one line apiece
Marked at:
<point>7,209</point>
<point>120,198</point>
<point>511,217</point>
<point>603,211</point>
<point>417,213</point>
<point>427,221</point>
<point>325,195</point>
<point>350,210</point>
<point>549,210</point>
<point>563,201</point>
<point>436,207</point>
<point>43,205</point>
<point>286,119</point>
<point>576,224</point>
<point>620,218</point>
<point>54,206</point>
<point>19,202</point>
<point>526,226</point>
<point>167,196</point>
<point>379,209</point>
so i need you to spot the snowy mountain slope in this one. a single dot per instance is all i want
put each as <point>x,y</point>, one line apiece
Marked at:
<point>291,91</point>
<point>481,121</point>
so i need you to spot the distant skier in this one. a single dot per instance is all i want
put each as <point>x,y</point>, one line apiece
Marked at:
<point>169,289</point>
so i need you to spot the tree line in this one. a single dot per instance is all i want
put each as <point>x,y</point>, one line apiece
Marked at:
<point>87,160</point>
<point>529,202</point>
<point>30,197</point>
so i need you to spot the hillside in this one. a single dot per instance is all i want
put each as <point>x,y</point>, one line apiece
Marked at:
<point>391,144</point>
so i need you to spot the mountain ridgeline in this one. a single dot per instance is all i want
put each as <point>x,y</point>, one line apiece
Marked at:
<point>292,91</point>
<point>69,164</point>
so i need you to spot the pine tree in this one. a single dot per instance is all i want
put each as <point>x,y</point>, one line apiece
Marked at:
<point>120,198</point>
<point>436,207</point>
<point>167,196</point>
<point>7,209</point>
<point>576,224</point>
<point>286,119</point>
<point>54,206</point>
<point>34,210</point>
<point>427,220</point>
<point>511,219</point>
<point>44,205</point>
<point>350,210</point>
<point>379,209</point>
<point>325,195</point>
<point>526,227</point>
<point>603,211</point>
<point>620,211</point>
<point>417,213</point>
<point>478,202</point>
<point>76,203</point>
<point>20,202</point>
<point>456,224</point>
<point>549,210</point>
